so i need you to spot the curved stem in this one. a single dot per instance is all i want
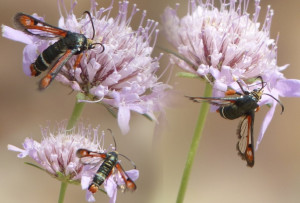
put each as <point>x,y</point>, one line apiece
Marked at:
<point>194,145</point>
<point>63,188</point>
<point>76,111</point>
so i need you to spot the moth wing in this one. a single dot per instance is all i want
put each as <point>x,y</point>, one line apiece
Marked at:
<point>245,145</point>
<point>218,101</point>
<point>34,26</point>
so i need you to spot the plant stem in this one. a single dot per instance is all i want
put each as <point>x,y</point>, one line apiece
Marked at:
<point>194,145</point>
<point>63,188</point>
<point>76,111</point>
<point>72,121</point>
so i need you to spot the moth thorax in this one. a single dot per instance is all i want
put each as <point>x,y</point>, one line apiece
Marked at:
<point>90,44</point>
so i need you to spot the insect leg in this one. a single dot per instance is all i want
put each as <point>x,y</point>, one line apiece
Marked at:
<point>45,81</point>
<point>77,61</point>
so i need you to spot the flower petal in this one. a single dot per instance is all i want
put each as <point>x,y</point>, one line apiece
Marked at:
<point>265,124</point>
<point>123,118</point>
<point>288,87</point>
<point>133,174</point>
<point>100,91</point>
<point>92,69</point>
<point>85,182</point>
<point>16,35</point>
<point>111,189</point>
<point>29,56</point>
<point>23,153</point>
<point>89,196</point>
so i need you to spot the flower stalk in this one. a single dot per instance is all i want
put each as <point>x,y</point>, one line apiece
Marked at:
<point>63,188</point>
<point>72,121</point>
<point>194,145</point>
<point>76,111</point>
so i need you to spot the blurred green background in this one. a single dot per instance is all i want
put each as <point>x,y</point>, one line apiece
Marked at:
<point>218,174</point>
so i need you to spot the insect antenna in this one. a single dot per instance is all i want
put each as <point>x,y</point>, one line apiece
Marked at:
<point>103,48</point>
<point>240,85</point>
<point>113,138</point>
<point>90,16</point>
<point>263,84</point>
<point>133,164</point>
<point>282,107</point>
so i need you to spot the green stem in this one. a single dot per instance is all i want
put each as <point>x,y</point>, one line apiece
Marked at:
<point>63,188</point>
<point>194,145</point>
<point>72,121</point>
<point>76,111</point>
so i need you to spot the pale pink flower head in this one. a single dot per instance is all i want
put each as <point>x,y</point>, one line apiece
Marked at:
<point>121,77</point>
<point>226,44</point>
<point>221,44</point>
<point>56,155</point>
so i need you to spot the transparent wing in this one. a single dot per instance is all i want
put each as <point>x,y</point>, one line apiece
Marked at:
<point>245,145</point>
<point>91,160</point>
<point>33,26</point>
<point>218,101</point>
<point>90,157</point>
